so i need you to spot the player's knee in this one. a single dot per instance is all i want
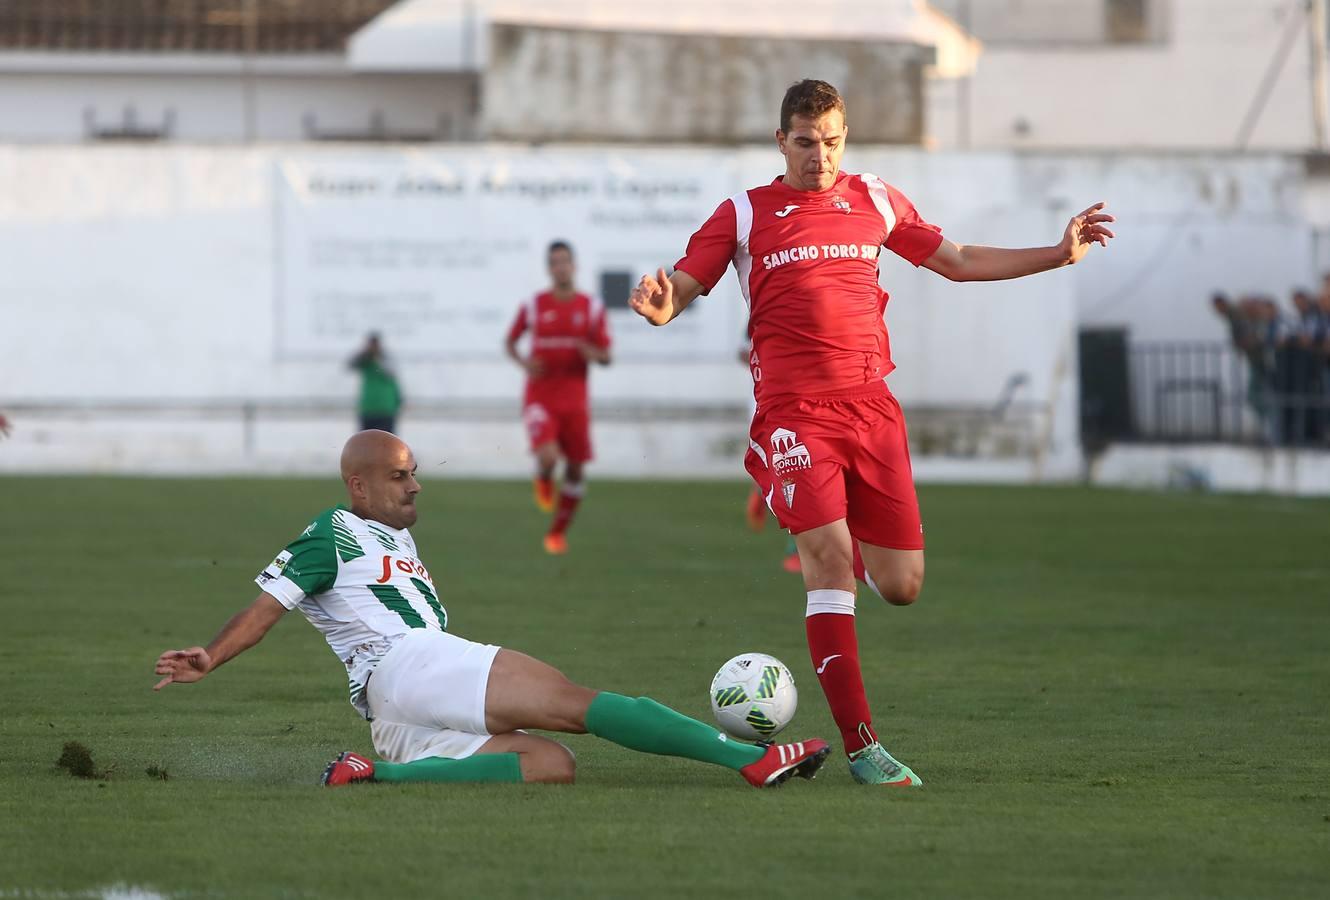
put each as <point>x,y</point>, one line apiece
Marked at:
<point>549,763</point>
<point>900,588</point>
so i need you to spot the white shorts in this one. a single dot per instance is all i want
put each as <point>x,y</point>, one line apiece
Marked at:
<point>427,697</point>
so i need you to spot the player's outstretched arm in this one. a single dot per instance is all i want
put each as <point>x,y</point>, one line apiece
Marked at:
<point>659,298</point>
<point>977,263</point>
<point>245,629</point>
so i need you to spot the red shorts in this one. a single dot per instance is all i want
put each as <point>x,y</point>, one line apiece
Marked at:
<point>567,426</point>
<point>844,456</point>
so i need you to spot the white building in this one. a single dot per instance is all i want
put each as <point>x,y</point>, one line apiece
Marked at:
<point>1043,74</point>
<point>1135,74</point>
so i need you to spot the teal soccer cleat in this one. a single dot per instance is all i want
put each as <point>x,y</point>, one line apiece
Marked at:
<point>874,765</point>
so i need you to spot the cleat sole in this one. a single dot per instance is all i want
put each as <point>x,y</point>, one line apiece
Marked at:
<point>805,768</point>
<point>328,770</point>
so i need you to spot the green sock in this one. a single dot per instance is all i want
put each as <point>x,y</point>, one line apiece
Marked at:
<point>643,724</point>
<point>481,767</point>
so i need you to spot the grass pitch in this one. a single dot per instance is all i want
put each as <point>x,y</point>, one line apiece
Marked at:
<point>1107,694</point>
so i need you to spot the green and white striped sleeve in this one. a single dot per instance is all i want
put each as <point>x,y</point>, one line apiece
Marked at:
<point>307,566</point>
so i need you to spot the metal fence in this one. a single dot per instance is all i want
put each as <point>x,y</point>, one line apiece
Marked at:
<point>1209,391</point>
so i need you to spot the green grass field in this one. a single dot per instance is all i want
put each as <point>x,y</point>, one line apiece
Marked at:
<point>1109,694</point>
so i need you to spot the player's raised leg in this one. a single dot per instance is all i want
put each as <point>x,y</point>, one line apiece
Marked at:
<point>827,556</point>
<point>526,693</point>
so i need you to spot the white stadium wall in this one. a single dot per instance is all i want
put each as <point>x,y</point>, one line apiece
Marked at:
<point>151,293</point>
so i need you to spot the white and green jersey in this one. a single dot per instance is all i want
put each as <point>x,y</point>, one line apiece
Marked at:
<point>360,583</point>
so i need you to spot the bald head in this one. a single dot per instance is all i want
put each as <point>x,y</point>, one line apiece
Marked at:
<point>366,449</point>
<point>379,470</point>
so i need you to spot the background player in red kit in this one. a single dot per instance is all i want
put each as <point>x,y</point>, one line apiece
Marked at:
<point>568,331</point>
<point>828,444</point>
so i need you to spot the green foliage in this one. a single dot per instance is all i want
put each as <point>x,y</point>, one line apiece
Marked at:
<point>1108,694</point>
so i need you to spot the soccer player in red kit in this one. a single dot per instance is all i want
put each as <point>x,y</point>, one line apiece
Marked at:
<point>827,446</point>
<point>568,331</point>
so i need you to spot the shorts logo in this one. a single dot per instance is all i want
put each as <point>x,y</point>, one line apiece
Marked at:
<point>787,454</point>
<point>535,416</point>
<point>788,490</point>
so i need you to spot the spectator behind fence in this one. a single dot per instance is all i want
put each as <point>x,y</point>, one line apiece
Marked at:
<point>380,393</point>
<point>1298,378</point>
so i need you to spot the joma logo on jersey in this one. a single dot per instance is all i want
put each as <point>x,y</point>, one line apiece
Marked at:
<point>787,454</point>
<point>409,566</point>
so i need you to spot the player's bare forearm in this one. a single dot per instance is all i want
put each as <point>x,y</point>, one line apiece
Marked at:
<point>979,263</point>
<point>245,629</point>
<point>686,290</point>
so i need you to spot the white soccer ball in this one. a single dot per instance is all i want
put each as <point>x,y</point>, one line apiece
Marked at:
<point>753,696</point>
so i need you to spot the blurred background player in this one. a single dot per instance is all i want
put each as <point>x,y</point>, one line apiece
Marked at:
<point>828,445</point>
<point>568,331</point>
<point>380,392</point>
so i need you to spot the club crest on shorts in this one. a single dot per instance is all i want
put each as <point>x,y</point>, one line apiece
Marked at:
<point>787,454</point>
<point>787,488</point>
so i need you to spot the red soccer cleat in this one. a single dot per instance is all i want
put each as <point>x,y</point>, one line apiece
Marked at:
<point>556,544</point>
<point>781,761</point>
<point>755,511</point>
<point>791,564</point>
<point>348,768</point>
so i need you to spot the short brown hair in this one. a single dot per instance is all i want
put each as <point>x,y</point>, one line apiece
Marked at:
<point>811,99</point>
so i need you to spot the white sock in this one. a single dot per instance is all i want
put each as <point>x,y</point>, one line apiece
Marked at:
<point>828,601</point>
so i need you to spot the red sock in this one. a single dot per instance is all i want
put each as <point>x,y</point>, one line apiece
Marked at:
<point>834,649</point>
<point>569,498</point>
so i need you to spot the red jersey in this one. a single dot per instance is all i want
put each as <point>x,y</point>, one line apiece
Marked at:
<point>557,327</point>
<point>807,263</point>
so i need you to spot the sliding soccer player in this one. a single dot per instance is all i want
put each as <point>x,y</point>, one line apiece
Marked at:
<point>440,707</point>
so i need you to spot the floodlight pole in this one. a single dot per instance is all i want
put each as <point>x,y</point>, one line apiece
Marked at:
<point>1316,40</point>
<point>251,25</point>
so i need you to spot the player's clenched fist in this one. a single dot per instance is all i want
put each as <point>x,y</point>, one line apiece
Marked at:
<point>653,298</point>
<point>182,666</point>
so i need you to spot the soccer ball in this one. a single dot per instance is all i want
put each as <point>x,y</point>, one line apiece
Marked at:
<point>753,696</point>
